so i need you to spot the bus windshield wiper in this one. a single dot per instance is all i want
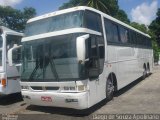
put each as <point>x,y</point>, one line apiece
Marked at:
<point>53,68</point>
<point>34,71</point>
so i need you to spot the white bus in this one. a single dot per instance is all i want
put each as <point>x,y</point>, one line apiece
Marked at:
<point>9,75</point>
<point>77,57</point>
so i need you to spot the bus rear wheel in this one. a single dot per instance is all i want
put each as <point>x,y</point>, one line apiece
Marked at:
<point>144,72</point>
<point>148,70</point>
<point>109,89</point>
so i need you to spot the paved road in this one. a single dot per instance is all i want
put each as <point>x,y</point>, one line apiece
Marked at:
<point>140,97</point>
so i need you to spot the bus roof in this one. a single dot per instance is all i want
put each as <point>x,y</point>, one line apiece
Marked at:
<point>9,31</point>
<point>85,8</point>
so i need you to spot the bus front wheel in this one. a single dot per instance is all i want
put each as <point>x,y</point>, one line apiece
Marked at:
<point>109,89</point>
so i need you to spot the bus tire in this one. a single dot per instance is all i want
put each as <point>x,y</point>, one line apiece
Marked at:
<point>148,69</point>
<point>144,72</point>
<point>109,89</point>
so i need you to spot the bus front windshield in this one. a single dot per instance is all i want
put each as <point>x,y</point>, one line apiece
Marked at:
<point>76,19</point>
<point>55,23</point>
<point>51,59</point>
<point>1,46</point>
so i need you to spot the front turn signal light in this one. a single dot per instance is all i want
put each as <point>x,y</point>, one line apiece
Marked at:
<point>3,81</point>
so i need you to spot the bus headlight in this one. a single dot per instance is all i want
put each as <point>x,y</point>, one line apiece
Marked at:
<point>69,88</point>
<point>81,88</point>
<point>24,87</point>
<point>78,88</point>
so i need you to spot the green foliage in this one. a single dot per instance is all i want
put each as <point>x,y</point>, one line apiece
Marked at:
<point>72,3</point>
<point>155,30</point>
<point>15,19</point>
<point>122,16</point>
<point>109,7</point>
<point>155,27</point>
<point>156,50</point>
<point>140,27</point>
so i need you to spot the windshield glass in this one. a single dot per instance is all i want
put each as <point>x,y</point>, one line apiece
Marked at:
<point>1,44</point>
<point>78,19</point>
<point>51,59</point>
<point>55,23</point>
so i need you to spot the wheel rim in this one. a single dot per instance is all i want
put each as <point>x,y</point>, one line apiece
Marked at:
<point>144,73</point>
<point>110,87</point>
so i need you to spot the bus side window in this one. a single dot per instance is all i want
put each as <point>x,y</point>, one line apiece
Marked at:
<point>123,35</point>
<point>93,53</point>
<point>111,31</point>
<point>93,21</point>
<point>101,51</point>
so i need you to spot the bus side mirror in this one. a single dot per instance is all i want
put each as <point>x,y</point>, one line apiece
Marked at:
<point>81,48</point>
<point>14,56</point>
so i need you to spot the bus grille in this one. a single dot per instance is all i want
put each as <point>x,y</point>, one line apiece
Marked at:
<point>44,88</point>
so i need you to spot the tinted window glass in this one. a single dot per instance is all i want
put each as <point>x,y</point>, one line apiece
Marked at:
<point>131,37</point>
<point>51,59</point>
<point>111,31</point>
<point>139,39</point>
<point>55,23</point>
<point>101,51</point>
<point>135,38</point>
<point>149,43</point>
<point>93,21</point>
<point>123,34</point>
<point>1,44</point>
<point>144,41</point>
<point>96,52</point>
<point>12,40</point>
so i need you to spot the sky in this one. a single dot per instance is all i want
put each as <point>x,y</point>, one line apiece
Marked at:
<point>141,11</point>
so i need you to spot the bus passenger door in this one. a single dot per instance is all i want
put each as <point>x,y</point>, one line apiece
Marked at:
<point>95,65</point>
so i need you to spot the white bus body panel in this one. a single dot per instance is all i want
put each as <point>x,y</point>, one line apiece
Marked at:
<point>127,63</point>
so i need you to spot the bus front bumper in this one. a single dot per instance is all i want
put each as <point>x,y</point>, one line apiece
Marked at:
<point>67,100</point>
<point>3,91</point>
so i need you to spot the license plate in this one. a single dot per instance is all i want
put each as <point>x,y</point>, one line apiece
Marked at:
<point>46,98</point>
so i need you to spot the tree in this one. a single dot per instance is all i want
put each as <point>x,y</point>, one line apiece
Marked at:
<point>122,16</point>
<point>140,27</point>
<point>97,4</point>
<point>155,27</point>
<point>15,19</point>
<point>71,3</point>
<point>109,7</point>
